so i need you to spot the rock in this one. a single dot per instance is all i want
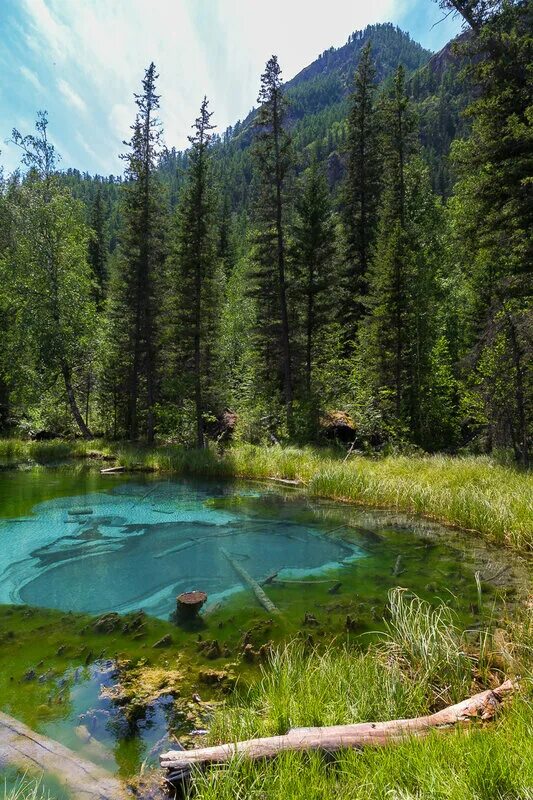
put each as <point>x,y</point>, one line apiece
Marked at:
<point>210,648</point>
<point>351,624</point>
<point>165,641</point>
<point>216,677</point>
<point>30,675</point>
<point>249,653</point>
<point>107,623</point>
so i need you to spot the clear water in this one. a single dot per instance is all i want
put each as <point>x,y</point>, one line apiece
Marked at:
<point>138,545</point>
<point>73,540</point>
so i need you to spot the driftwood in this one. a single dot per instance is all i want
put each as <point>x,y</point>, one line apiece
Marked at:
<point>267,604</point>
<point>22,748</point>
<point>112,470</point>
<point>481,706</point>
<point>287,481</point>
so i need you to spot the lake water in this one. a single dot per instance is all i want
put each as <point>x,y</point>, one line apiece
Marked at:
<point>74,540</point>
<point>138,545</point>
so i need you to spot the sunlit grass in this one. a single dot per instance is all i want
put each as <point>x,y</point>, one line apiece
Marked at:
<point>23,788</point>
<point>419,665</point>
<point>473,492</point>
<point>490,763</point>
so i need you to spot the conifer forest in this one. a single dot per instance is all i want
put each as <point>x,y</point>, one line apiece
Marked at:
<point>354,256</point>
<point>266,395</point>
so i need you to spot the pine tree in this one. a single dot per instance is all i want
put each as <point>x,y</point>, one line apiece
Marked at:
<point>397,337</point>
<point>313,246</point>
<point>195,263</point>
<point>494,215</point>
<point>361,189</point>
<point>272,159</point>
<point>98,252</point>
<point>142,257</point>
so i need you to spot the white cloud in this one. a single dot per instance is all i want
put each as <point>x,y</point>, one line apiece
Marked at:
<point>32,78</point>
<point>71,96</point>
<point>46,27</point>
<point>213,47</point>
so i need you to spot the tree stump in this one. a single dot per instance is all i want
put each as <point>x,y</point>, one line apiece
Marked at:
<point>188,605</point>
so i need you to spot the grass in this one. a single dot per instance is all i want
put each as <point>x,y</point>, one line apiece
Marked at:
<point>474,493</point>
<point>24,788</point>
<point>492,763</point>
<point>399,677</point>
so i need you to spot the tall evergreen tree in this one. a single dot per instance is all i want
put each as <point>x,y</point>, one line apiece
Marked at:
<point>195,262</point>
<point>98,251</point>
<point>313,246</point>
<point>362,188</point>
<point>494,214</point>
<point>142,258</point>
<point>396,339</point>
<point>272,158</point>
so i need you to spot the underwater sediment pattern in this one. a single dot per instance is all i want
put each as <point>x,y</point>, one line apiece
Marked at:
<point>139,545</point>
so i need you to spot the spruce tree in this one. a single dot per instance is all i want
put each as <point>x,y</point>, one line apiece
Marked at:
<point>195,264</point>
<point>361,189</point>
<point>142,249</point>
<point>98,251</point>
<point>494,216</point>
<point>272,158</point>
<point>313,245</point>
<point>396,339</point>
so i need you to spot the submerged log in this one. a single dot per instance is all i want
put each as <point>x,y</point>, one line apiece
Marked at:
<point>24,749</point>
<point>267,604</point>
<point>481,706</point>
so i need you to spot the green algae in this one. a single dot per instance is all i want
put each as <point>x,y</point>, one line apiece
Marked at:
<point>42,651</point>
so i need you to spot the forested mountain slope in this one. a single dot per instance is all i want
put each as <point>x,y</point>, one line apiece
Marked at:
<point>355,250</point>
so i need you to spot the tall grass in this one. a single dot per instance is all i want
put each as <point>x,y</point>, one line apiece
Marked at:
<point>398,677</point>
<point>24,788</point>
<point>474,493</point>
<point>491,763</point>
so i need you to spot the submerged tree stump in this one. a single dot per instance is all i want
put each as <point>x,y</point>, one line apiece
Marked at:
<point>188,605</point>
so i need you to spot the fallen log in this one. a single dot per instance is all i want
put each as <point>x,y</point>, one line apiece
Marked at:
<point>481,706</point>
<point>267,604</point>
<point>22,748</point>
<point>112,470</point>
<point>287,481</point>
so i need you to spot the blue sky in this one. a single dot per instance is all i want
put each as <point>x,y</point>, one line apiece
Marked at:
<point>81,60</point>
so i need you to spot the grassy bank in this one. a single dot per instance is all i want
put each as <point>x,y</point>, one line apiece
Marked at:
<point>474,493</point>
<point>422,663</point>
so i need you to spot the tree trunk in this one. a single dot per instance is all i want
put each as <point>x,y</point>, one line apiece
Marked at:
<point>285,332</point>
<point>481,706</point>
<point>86,433</point>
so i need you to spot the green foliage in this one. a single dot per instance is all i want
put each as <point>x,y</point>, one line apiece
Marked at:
<point>195,284</point>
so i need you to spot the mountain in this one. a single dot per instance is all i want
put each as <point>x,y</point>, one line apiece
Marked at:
<point>318,107</point>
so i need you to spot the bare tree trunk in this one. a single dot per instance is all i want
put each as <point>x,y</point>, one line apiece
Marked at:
<point>67,377</point>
